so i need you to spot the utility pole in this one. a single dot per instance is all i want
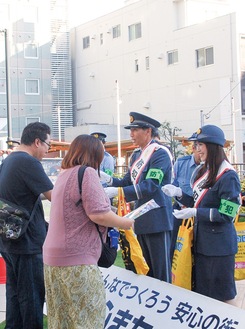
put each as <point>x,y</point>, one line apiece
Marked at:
<point>9,122</point>
<point>119,154</point>
<point>202,117</point>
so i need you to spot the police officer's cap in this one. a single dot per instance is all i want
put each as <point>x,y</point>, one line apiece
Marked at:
<point>209,134</point>
<point>100,136</point>
<point>138,120</point>
<point>13,143</point>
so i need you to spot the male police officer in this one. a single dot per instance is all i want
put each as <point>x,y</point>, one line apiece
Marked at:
<point>108,164</point>
<point>150,169</point>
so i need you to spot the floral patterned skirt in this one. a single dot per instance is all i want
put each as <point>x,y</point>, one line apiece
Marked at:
<point>75,297</point>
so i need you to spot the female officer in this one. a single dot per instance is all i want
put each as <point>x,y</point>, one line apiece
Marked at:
<point>216,200</point>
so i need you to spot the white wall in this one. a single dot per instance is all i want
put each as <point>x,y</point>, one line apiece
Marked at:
<point>176,93</point>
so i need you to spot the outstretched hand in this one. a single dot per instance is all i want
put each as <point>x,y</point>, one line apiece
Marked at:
<point>111,192</point>
<point>105,178</point>
<point>172,190</point>
<point>185,213</point>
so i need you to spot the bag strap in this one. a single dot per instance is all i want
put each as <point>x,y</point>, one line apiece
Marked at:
<point>188,222</point>
<point>80,179</point>
<point>34,208</point>
<point>81,171</point>
<point>101,239</point>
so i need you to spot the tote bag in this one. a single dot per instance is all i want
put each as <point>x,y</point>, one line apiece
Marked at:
<point>240,256</point>
<point>131,251</point>
<point>182,258</point>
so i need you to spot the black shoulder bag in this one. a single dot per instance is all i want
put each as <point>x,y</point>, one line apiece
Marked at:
<point>14,219</point>
<point>108,254</point>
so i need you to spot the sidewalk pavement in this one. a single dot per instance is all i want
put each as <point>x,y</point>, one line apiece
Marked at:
<point>239,301</point>
<point>2,302</point>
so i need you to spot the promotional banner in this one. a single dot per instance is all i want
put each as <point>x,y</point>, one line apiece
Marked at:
<point>137,301</point>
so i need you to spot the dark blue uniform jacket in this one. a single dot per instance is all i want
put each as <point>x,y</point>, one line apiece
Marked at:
<point>156,220</point>
<point>217,237</point>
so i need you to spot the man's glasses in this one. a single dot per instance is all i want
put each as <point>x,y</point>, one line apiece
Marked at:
<point>49,145</point>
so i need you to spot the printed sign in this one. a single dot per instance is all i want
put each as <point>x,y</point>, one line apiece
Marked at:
<point>137,301</point>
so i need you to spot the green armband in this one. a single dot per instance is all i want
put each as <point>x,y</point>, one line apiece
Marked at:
<point>155,174</point>
<point>228,208</point>
<point>109,172</point>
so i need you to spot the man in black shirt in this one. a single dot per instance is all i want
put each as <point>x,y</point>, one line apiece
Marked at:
<point>22,180</point>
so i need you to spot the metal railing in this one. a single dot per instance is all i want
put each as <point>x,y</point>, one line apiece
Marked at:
<point>239,167</point>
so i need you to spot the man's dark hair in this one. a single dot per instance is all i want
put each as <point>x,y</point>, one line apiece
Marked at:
<point>34,130</point>
<point>155,133</point>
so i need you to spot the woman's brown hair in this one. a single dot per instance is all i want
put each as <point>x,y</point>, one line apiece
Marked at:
<point>85,150</point>
<point>215,156</point>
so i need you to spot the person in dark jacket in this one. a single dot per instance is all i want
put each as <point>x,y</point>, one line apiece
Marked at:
<point>150,169</point>
<point>216,200</point>
<point>183,169</point>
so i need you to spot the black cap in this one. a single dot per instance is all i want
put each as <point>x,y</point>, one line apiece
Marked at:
<point>138,120</point>
<point>100,136</point>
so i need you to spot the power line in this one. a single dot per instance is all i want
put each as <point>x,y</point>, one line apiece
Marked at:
<point>207,115</point>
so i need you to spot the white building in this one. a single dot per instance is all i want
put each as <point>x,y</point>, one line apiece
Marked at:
<point>181,61</point>
<point>35,67</point>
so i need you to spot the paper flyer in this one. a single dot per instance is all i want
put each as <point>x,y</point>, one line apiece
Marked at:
<point>143,209</point>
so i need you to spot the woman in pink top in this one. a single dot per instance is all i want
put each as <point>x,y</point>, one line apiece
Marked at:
<point>75,291</point>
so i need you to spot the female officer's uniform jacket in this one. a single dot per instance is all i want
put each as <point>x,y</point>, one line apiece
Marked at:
<point>214,231</point>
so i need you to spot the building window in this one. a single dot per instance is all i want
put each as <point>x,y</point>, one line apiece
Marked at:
<point>205,56</point>
<point>136,65</point>
<point>31,50</point>
<point>173,57</point>
<point>86,42</point>
<point>32,119</point>
<point>2,86</point>
<point>134,31</point>
<point>101,39</point>
<point>147,63</point>
<point>116,31</point>
<point>32,86</point>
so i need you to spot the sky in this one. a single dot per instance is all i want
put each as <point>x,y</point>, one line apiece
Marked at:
<point>92,9</point>
<point>84,11</point>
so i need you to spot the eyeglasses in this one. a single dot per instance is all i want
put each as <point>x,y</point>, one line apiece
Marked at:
<point>49,145</point>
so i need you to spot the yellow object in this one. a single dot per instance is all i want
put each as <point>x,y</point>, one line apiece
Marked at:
<point>240,256</point>
<point>182,259</point>
<point>131,251</point>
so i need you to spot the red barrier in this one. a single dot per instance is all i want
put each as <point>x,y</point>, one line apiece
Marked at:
<point>2,271</point>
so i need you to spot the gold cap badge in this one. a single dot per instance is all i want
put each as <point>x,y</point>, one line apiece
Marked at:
<point>199,131</point>
<point>131,118</point>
